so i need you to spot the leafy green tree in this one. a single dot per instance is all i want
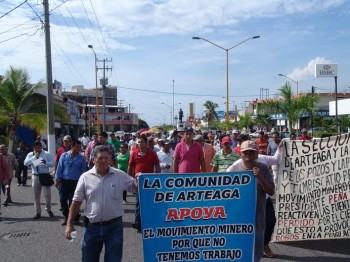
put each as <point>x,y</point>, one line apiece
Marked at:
<point>210,111</point>
<point>292,107</point>
<point>246,121</point>
<point>344,123</point>
<point>317,120</point>
<point>262,120</point>
<point>21,105</point>
<point>142,124</point>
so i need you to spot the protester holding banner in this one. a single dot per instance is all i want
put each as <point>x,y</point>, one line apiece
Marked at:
<point>292,136</point>
<point>248,161</point>
<point>101,188</point>
<point>270,211</point>
<point>142,160</point>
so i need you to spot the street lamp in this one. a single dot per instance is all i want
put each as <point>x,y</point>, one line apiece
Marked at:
<point>297,91</point>
<point>97,111</point>
<point>227,86</point>
<point>296,82</point>
<point>232,101</point>
<point>172,110</point>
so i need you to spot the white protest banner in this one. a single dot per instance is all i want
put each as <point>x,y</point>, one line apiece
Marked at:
<point>314,190</point>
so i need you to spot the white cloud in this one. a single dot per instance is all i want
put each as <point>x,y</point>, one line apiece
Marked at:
<point>150,43</point>
<point>135,17</point>
<point>308,71</point>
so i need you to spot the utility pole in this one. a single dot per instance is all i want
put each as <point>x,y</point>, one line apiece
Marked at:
<point>336,105</point>
<point>49,97</point>
<point>312,113</point>
<point>173,108</point>
<point>104,83</point>
<point>120,120</point>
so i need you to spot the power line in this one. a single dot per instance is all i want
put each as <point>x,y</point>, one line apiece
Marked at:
<point>181,94</point>
<point>74,37</point>
<point>87,16</point>
<point>13,9</point>
<point>72,67</point>
<point>21,29</point>
<point>19,36</point>
<point>35,13</point>
<point>76,24</point>
<point>10,51</point>
<point>57,6</point>
<point>98,23</point>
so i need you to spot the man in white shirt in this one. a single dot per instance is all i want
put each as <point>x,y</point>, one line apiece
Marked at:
<point>85,140</point>
<point>103,212</point>
<point>165,156</point>
<point>132,142</point>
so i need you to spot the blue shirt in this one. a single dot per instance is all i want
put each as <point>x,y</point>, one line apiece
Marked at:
<point>41,168</point>
<point>70,168</point>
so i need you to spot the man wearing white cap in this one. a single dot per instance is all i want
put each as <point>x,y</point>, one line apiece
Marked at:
<point>234,138</point>
<point>67,145</point>
<point>304,135</point>
<point>248,161</point>
<point>165,156</point>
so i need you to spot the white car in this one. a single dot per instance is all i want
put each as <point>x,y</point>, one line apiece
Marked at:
<point>256,134</point>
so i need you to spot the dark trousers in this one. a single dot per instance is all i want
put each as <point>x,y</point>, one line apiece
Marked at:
<point>22,169</point>
<point>7,191</point>
<point>137,211</point>
<point>66,190</point>
<point>270,221</point>
<point>124,195</point>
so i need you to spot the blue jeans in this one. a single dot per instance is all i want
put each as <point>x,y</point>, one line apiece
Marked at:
<point>96,235</point>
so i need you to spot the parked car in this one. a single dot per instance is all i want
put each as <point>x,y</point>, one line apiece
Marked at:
<point>256,134</point>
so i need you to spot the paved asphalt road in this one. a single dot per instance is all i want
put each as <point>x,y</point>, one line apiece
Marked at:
<point>23,239</point>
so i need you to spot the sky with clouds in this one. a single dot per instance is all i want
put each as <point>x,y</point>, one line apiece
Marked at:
<point>150,44</point>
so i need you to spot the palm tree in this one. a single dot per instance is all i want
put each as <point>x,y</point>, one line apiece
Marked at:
<point>291,107</point>
<point>20,105</point>
<point>262,120</point>
<point>210,111</point>
<point>245,121</point>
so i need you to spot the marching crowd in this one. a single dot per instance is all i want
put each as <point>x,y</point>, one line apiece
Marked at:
<point>99,171</point>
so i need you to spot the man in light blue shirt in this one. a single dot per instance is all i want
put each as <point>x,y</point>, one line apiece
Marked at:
<point>40,161</point>
<point>70,167</point>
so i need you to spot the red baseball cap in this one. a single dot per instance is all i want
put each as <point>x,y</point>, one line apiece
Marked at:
<point>226,139</point>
